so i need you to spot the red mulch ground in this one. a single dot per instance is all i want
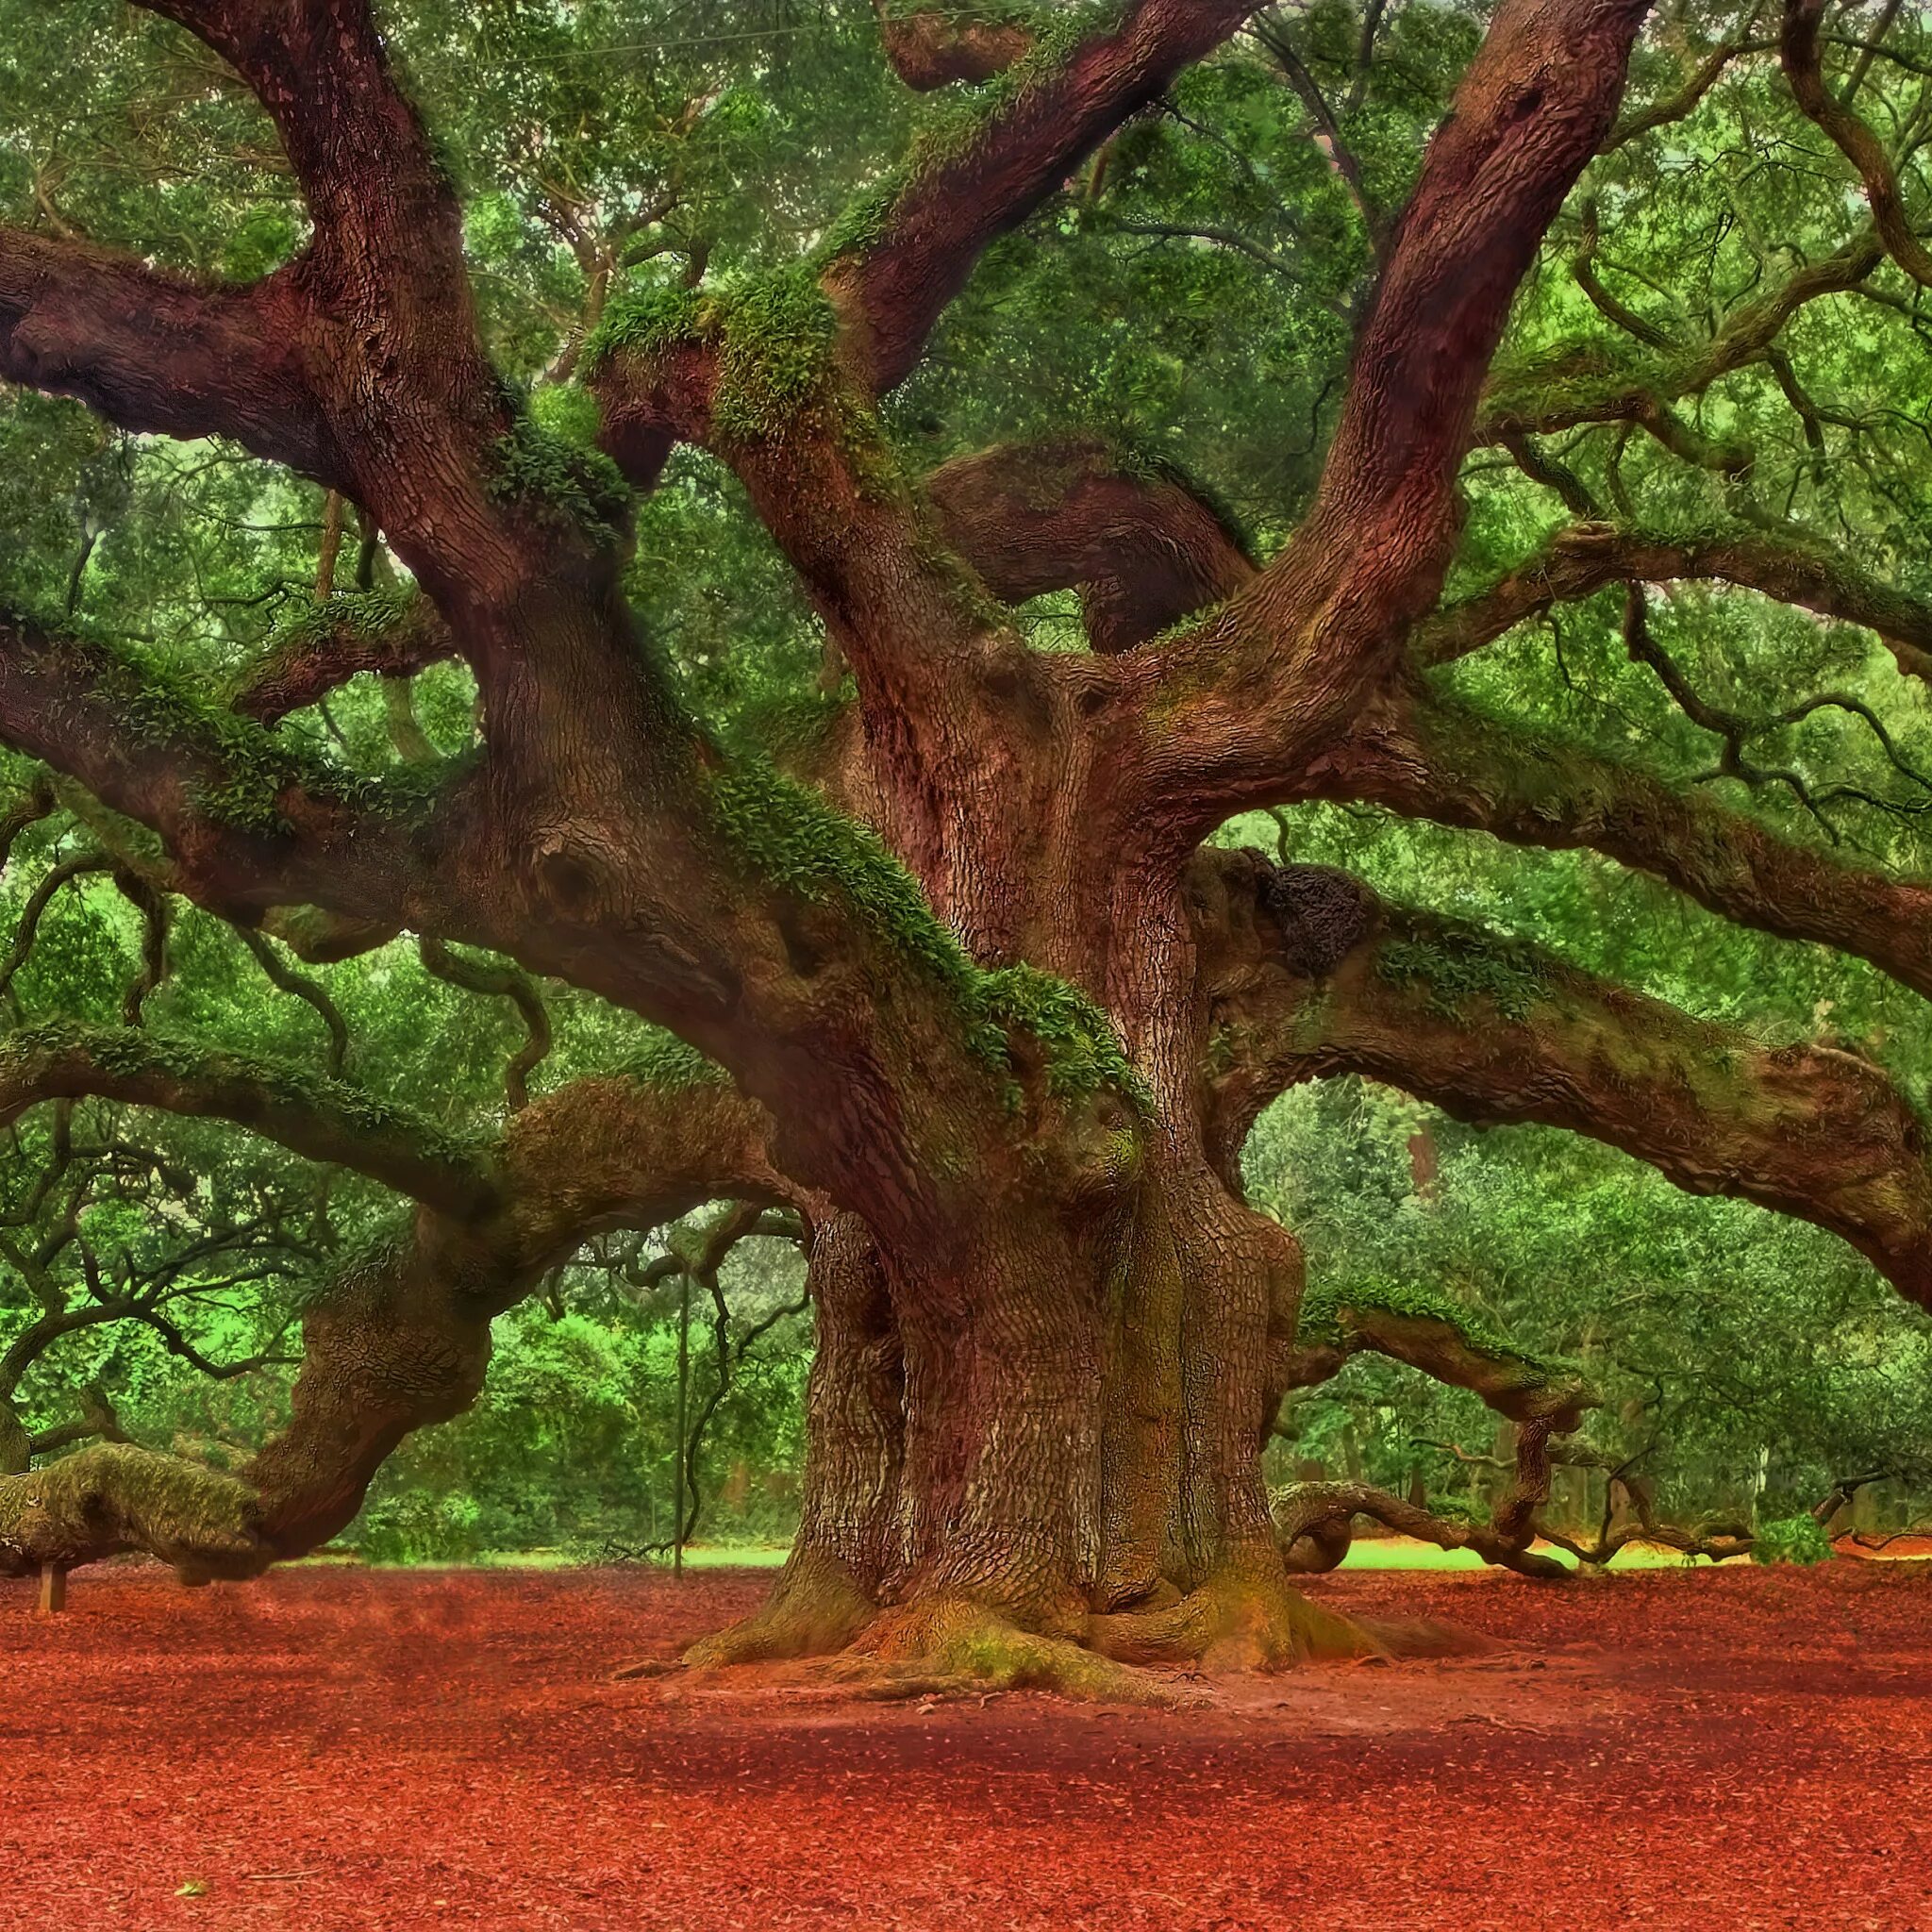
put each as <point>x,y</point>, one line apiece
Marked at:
<point>332,1748</point>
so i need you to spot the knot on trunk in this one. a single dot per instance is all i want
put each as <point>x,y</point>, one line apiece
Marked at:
<point>1321,914</point>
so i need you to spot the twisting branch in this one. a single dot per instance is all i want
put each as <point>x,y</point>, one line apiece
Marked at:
<point>1287,660</point>
<point>83,865</point>
<point>1309,975</point>
<point>1576,385</point>
<point>1685,102</point>
<point>1449,1343</point>
<point>34,804</point>
<point>499,982</point>
<point>401,1339</point>
<point>1736,729</point>
<point>299,986</point>
<point>1274,36</point>
<point>1783,563</point>
<point>155,920</point>
<point>1798,46</point>
<point>1138,539</point>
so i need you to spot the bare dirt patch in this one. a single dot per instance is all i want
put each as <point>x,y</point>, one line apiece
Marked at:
<point>332,1749</point>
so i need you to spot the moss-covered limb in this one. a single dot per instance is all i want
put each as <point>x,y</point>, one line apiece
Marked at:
<point>1445,1339</point>
<point>935,43</point>
<point>400,1337</point>
<point>248,818</point>
<point>1433,758</point>
<point>1790,567</point>
<point>116,1497</point>
<point>1145,544</point>
<point>1011,1020</point>
<point>1492,1030</point>
<point>321,1118</point>
<point>1303,1511</point>
<point>1717,1540</point>
<point>991,158</point>
<point>388,633</point>
<point>1597,382</point>
<point>1799,48</point>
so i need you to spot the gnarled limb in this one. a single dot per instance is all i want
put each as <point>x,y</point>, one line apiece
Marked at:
<point>1306,1510</point>
<point>1139,540</point>
<point>1257,690</point>
<point>321,1118</point>
<point>1799,48</point>
<point>1431,757</point>
<point>1492,1030</point>
<point>249,822</point>
<point>1448,1343</point>
<point>1443,1341</point>
<point>499,982</point>
<point>159,352</point>
<point>401,1339</point>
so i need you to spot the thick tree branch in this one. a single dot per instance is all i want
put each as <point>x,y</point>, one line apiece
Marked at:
<point>1250,694</point>
<point>914,251</point>
<point>401,1339</point>
<point>1139,540</point>
<point>1799,48</point>
<point>154,351</point>
<point>321,1118</point>
<point>340,640</point>
<point>249,822</point>
<point>1431,757</point>
<point>1495,1031</point>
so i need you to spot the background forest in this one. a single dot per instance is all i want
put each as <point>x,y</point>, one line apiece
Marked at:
<point>1203,276</point>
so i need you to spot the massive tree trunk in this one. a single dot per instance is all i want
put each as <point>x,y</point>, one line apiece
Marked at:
<point>1050,1411</point>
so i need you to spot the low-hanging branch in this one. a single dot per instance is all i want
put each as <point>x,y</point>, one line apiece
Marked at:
<point>1452,1345</point>
<point>400,1339</point>
<point>1492,1030</point>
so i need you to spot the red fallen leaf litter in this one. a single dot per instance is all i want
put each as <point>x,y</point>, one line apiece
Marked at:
<point>340,1748</point>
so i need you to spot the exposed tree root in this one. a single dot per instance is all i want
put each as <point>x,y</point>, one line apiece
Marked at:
<point>953,1646</point>
<point>1236,1622</point>
<point>816,1608</point>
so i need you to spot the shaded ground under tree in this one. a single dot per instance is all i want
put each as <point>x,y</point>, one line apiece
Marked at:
<point>334,1749</point>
